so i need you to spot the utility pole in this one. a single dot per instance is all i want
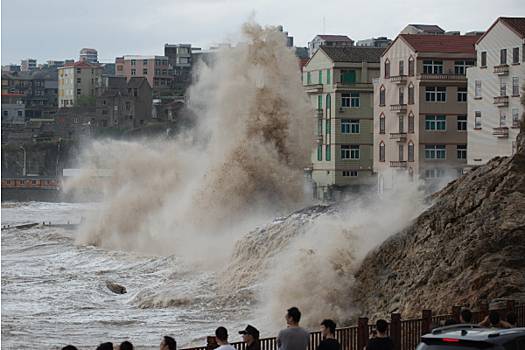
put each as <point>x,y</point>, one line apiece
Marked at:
<point>25,158</point>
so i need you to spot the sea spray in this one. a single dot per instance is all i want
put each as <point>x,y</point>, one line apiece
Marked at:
<point>241,164</point>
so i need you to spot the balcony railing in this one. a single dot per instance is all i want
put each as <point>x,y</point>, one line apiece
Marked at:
<point>399,79</point>
<point>448,77</point>
<point>399,108</point>
<point>501,101</point>
<point>343,86</point>
<point>502,69</point>
<point>399,136</point>
<point>501,132</point>
<point>311,88</point>
<point>398,163</point>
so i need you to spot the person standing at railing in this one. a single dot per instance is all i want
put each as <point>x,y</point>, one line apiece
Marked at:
<point>221,337</point>
<point>381,341</point>
<point>250,335</point>
<point>294,337</point>
<point>328,332</point>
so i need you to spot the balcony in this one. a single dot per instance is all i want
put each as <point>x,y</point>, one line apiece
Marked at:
<point>346,86</point>
<point>399,79</point>
<point>398,163</point>
<point>501,132</point>
<point>501,101</point>
<point>502,69</point>
<point>398,136</point>
<point>442,77</point>
<point>313,88</point>
<point>399,108</point>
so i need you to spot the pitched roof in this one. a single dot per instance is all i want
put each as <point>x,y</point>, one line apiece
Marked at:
<point>517,24</point>
<point>334,37</point>
<point>136,82</point>
<point>428,28</point>
<point>355,54</point>
<point>441,43</point>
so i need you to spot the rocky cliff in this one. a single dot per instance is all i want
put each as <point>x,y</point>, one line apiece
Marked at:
<point>469,247</point>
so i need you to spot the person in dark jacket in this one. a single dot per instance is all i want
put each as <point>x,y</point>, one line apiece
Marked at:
<point>381,341</point>
<point>250,335</point>
<point>328,332</point>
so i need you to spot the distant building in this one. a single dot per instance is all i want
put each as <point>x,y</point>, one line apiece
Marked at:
<point>28,65</point>
<point>494,90</point>
<point>289,39</point>
<point>381,41</point>
<point>13,108</point>
<point>54,64</point>
<point>88,55</point>
<point>77,82</point>
<point>338,81</point>
<point>422,29</point>
<point>420,108</point>
<point>154,68</point>
<point>11,68</point>
<point>180,57</point>
<point>328,40</point>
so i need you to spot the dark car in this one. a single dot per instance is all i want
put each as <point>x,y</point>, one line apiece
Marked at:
<point>470,337</point>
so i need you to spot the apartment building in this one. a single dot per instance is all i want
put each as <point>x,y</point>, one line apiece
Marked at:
<point>88,55</point>
<point>420,107</point>
<point>154,68</point>
<point>338,81</point>
<point>494,89</point>
<point>77,82</point>
<point>28,65</point>
<point>328,40</point>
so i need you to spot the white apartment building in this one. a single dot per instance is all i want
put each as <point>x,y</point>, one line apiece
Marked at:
<point>494,89</point>
<point>77,80</point>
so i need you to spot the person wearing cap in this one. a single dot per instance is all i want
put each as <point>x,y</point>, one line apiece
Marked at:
<point>250,335</point>
<point>221,337</point>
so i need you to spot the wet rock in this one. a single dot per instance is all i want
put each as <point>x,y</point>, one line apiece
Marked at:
<point>116,288</point>
<point>469,247</point>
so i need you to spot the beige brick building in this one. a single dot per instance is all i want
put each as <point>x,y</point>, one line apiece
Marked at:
<point>420,107</point>
<point>76,81</point>
<point>338,81</point>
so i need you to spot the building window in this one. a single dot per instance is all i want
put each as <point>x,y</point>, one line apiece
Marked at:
<point>328,77</point>
<point>20,113</point>
<point>133,62</point>
<point>145,62</point>
<point>477,120</point>
<point>462,122</point>
<point>432,67</point>
<point>401,67</point>
<point>320,77</point>
<point>351,173</point>
<point>515,118</point>
<point>387,69</point>
<point>128,105</point>
<point>79,70</point>
<point>79,91</point>
<point>462,94</point>
<point>410,151</point>
<point>328,152</point>
<point>436,93</point>
<point>483,59</point>
<point>382,151</point>
<point>328,127</point>
<point>308,78</point>
<point>348,76</point>
<point>79,80</point>
<point>401,95</point>
<point>516,55</point>
<point>502,119</point>
<point>411,94</point>
<point>435,152</point>
<point>145,71</point>
<point>461,151</point>
<point>319,101</point>
<point>345,100</point>
<point>350,126</point>
<point>460,67</point>
<point>502,88</point>
<point>320,127</point>
<point>6,114</point>
<point>503,56</point>
<point>411,123</point>
<point>349,152</point>
<point>354,173</point>
<point>401,149</point>
<point>354,100</point>
<point>435,123</point>
<point>382,96</point>
<point>401,124</point>
<point>515,86</point>
<point>411,66</point>
<point>328,103</point>
<point>320,152</point>
<point>477,89</point>
<point>133,71</point>
<point>434,173</point>
<point>382,124</point>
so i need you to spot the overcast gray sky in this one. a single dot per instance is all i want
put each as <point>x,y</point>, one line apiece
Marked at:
<point>58,29</point>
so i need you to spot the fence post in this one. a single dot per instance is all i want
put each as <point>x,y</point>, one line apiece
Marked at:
<point>362,332</point>
<point>456,311</point>
<point>426,325</point>
<point>211,343</point>
<point>510,306</point>
<point>395,330</point>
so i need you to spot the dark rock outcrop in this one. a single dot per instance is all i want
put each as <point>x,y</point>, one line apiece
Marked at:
<point>116,288</point>
<point>468,248</point>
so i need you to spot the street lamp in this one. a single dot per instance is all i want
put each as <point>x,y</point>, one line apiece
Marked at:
<point>25,155</point>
